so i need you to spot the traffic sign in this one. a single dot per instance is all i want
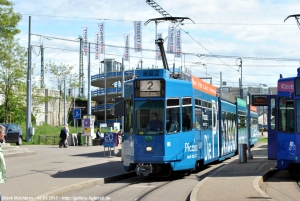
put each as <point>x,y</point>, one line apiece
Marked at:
<point>77,113</point>
<point>110,139</point>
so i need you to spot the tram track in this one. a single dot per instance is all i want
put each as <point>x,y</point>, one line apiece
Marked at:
<point>117,189</point>
<point>150,191</point>
<point>144,182</point>
<point>152,188</point>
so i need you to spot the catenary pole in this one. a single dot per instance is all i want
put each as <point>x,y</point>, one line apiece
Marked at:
<point>89,83</point>
<point>28,89</point>
<point>249,125</point>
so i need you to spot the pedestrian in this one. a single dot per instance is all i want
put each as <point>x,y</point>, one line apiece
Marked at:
<point>2,162</point>
<point>98,134</point>
<point>64,134</point>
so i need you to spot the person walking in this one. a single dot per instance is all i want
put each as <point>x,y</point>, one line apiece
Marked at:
<point>64,134</point>
<point>2,161</point>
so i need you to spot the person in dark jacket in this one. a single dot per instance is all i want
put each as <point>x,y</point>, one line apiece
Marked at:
<point>155,124</point>
<point>98,134</point>
<point>64,133</point>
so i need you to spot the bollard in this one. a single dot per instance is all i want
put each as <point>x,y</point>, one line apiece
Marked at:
<point>242,153</point>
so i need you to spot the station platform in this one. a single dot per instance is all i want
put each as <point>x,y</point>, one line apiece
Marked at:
<point>238,181</point>
<point>54,171</point>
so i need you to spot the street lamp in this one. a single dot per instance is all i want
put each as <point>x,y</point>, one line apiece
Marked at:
<point>241,84</point>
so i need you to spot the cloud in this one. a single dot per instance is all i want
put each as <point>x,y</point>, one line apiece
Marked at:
<point>246,28</point>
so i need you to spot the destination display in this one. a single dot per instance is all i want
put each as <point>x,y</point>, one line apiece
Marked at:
<point>260,100</point>
<point>149,88</point>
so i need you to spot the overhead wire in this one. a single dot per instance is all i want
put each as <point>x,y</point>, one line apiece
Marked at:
<point>200,23</point>
<point>191,54</point>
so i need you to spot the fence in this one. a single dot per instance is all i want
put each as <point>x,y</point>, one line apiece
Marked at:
<point>48,140</point>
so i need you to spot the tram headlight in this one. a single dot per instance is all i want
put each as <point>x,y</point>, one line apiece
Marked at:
<point>148,148</point>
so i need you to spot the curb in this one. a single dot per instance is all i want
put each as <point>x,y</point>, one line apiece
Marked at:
<point>85,184</point>
<point>195,190</point>
<point>258,182</point>
<point>19,154</point>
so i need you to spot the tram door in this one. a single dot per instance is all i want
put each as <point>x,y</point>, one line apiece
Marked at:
<point>272,127</point>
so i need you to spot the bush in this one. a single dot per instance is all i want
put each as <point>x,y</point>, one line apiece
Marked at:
<point>45,130</point>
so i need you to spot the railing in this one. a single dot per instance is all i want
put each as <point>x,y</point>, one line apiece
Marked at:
<point>112,74</point>
<point>48,139</point>
<point>108,121</point>
<point>101,107</point>
<point>108,91</point>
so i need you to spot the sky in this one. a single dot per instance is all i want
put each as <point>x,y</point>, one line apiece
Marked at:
<point>253,30</point>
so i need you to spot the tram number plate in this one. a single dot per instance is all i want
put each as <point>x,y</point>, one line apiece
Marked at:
<point>150,85</point>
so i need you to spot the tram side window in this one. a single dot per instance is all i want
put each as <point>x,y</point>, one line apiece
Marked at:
<point>173,120</point>
<point>173,116</point>
<point>187,118</point>
<point>198,119</point>
<point>273,114</point>
<point>286,115</point>
<point>207,118</point>
<point>298,116</point>
<point>128,116</point>
<point>187,114</point>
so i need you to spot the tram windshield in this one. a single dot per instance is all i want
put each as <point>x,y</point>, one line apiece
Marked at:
<point>149,117</point>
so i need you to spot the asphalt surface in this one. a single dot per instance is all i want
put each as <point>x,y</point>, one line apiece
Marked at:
<point>238,181</point>
<point>53,170</point>
<point>57,171</point>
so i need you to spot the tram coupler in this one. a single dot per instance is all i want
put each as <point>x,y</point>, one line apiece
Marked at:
<point>144,169</point>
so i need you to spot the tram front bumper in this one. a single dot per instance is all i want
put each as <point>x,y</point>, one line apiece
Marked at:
<point>142,169</point>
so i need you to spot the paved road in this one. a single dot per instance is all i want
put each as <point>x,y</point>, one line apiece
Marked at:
<point>53,168</point>
<point>282,186</point>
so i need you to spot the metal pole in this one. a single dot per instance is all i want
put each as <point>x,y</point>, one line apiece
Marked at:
<point>241,83</point>
<point>249,126</point>
<point>123,91</point>
<point>220,81</point>
<point>105,102</point>
<point>28,89</point>
<point>89,113</point>
<point>65,119</point>
<point>241,80</point>
<point>89,83</point>
<point>74,106</point>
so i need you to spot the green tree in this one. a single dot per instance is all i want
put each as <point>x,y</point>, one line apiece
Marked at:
<point>8,20</point>
<point>13,62</point>
<point>61,72</point>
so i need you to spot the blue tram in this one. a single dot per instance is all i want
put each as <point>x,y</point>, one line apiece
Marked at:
<point>284,124</point>
<point>190,125</point>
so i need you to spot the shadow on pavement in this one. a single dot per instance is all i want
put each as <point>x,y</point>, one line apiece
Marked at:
<point>95,171</point>
<point>100,154</point>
